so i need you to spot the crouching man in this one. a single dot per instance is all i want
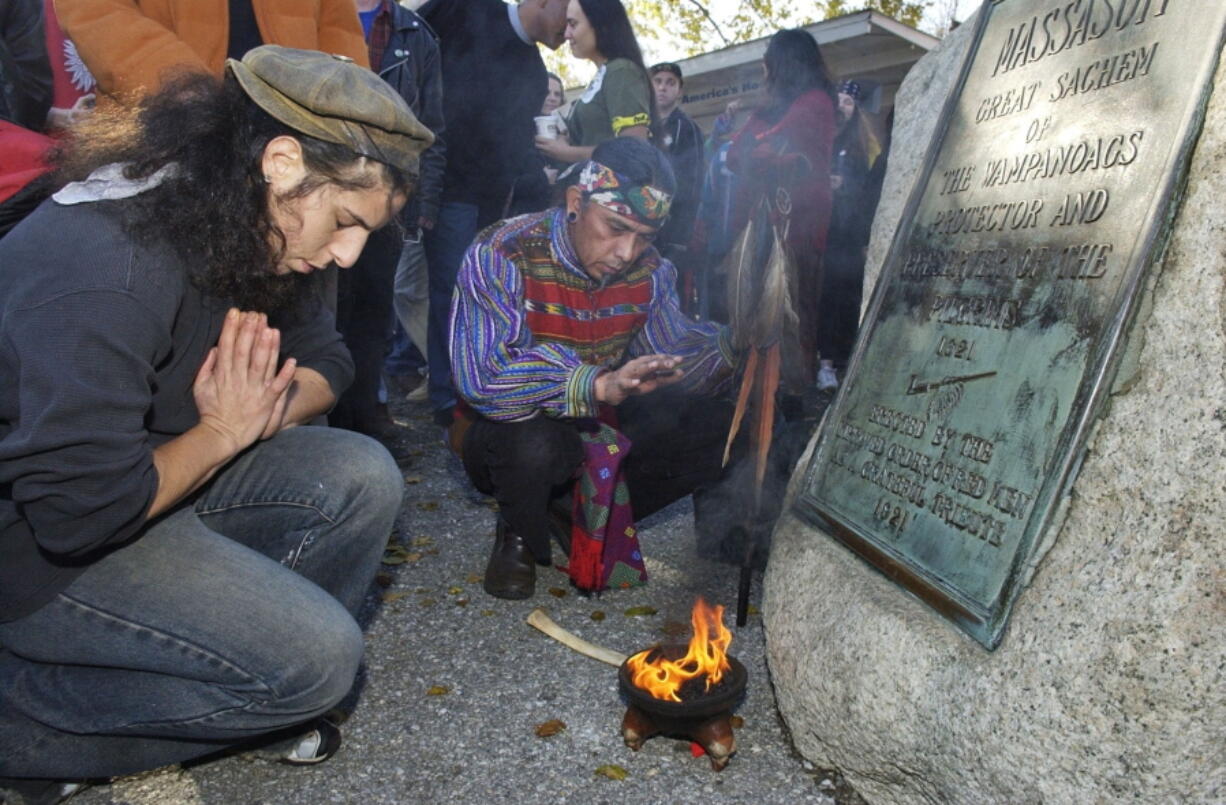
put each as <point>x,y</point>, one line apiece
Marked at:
<point>180,563</point>
<point>581,376</point>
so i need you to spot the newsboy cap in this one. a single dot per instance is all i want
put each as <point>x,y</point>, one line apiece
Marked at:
<point>332,99</point>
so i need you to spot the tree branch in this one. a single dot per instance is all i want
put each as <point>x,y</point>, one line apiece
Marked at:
<point>710,19</point>
<point>753,4</point>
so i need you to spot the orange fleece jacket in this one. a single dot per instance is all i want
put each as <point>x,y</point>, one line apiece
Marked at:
<point>131,46</point>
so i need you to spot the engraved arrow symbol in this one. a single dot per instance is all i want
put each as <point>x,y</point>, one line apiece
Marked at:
<point>932,385</point>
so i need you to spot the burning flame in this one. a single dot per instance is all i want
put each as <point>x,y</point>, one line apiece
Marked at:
<point>707,656</point>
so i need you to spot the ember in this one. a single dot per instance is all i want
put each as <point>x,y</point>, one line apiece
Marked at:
<point>696,673</point>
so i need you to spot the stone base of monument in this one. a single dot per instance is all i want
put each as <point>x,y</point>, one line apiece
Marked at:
<point>1108,684</point>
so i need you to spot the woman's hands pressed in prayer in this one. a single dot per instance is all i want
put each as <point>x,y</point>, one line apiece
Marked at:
<point>239,392</point>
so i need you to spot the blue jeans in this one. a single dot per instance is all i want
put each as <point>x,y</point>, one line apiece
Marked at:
<point>229,619</point>
<point>445,246</point>
<point>412,294</point>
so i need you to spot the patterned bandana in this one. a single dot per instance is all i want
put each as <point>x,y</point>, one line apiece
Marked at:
<point>643,203</point>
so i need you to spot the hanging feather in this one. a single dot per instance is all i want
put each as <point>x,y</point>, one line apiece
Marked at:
<point>767,384</point>
<point>742,401</point>
<point>761,299</point>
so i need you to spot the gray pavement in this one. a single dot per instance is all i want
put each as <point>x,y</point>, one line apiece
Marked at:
<point>456,682</point>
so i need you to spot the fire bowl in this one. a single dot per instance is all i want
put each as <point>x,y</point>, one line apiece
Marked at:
<point>706,720</point>
<point>722,700</point>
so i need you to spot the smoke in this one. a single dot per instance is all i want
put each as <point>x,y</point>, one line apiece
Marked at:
<point>729,527</point>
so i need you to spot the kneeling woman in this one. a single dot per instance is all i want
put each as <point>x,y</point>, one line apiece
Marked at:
<point>178,570</point>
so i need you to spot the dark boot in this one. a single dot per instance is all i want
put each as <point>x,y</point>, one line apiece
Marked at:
<point>511,572</point>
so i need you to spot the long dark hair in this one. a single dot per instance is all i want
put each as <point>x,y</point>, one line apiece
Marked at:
<point>794,65</point>
<point>615,37</point>
<point>213,210</point>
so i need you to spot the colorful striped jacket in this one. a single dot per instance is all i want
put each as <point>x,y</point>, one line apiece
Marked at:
<point>530,330</point>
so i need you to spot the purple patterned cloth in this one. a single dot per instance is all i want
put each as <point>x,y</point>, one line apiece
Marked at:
<point>604,545</point>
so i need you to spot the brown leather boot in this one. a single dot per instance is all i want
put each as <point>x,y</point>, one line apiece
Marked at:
<point>511,571</point>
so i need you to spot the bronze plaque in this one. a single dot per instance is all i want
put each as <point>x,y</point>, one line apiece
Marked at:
<point>995,329</point>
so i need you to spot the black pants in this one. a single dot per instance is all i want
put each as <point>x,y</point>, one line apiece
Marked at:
<point>364,317</point>
<point>677,444</point>
<point>838,313</point>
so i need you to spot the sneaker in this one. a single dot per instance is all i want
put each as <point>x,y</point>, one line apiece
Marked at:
<point>827,379</point>
<point>310,748</point>
<point>421,392</point>
<point>15,791</point>
<point>316,746</point>
<point>403,384</point>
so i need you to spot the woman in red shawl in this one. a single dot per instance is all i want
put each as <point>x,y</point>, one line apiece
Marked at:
<point>787,146</point>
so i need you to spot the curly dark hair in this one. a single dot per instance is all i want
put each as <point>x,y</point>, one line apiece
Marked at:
<point>213,209</point>
<point>794,65</point>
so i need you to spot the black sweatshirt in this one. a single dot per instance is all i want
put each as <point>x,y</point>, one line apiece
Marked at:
<point>493,85</point>
<point>100,341</point>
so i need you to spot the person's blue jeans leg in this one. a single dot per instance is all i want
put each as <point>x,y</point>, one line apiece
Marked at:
<point>445,246</point>
<point>412,293</point>
<point>230,619</point>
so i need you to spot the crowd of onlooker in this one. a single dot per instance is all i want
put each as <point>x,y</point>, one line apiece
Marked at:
<point>473,74</point>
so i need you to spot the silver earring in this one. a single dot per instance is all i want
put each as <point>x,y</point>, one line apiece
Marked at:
<point>267,179</point>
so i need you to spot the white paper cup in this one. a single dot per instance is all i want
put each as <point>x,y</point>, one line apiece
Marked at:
<point>546,126</point>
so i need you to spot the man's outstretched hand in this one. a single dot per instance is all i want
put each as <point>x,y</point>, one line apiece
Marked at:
<point>239,392</point>
<point>642,375</point>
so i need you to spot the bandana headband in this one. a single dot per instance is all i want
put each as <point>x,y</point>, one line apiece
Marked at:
<point>611,190</point>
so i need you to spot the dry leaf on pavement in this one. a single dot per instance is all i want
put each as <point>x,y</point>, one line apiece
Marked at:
<point>550,728</point>
<point>395,555</point>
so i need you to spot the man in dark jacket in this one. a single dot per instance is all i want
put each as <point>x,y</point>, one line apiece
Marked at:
<point>404,53</point>
<point>680,138</point>
<point>496,82</point>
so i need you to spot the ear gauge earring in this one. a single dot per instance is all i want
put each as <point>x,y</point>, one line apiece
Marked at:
<point>572,216</point>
